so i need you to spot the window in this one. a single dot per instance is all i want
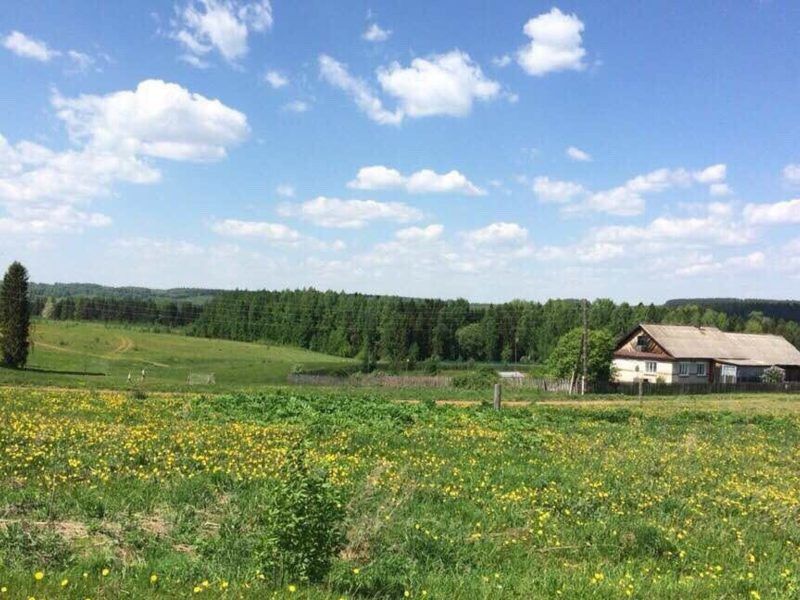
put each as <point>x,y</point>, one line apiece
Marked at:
<point>700,369</point>
<point>651,366</point>
<point>683,369</point>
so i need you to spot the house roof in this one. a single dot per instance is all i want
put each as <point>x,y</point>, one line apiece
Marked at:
<point>686,341</point>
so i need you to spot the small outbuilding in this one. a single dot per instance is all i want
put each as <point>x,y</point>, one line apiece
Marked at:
<point>688,354</point>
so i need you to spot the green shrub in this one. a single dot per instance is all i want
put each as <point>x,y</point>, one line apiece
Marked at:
<point>431,366</point>
<point>304,523</point>
<point>481,379</point>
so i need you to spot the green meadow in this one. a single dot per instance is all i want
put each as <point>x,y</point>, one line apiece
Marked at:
<point>96,355</point>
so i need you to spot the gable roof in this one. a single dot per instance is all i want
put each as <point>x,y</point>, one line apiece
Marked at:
<point>686,341</point>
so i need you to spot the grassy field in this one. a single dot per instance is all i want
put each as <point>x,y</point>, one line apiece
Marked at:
<point>106,496</point>
<point>97,355</point>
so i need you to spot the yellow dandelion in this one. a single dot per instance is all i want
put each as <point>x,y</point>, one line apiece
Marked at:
<point>356,571</point>
<point>292,589</point>
<point>38,576</point>
<point>64,582</point>
<point>197,589</point>
<point>153,578</point>
<point>105,572</point>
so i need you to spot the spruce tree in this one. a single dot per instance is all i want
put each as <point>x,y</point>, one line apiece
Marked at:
<point>15,316</point>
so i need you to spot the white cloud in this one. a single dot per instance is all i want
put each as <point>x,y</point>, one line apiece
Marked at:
<point>430,233</point>
<point>297,106</point>
<point>272,232</point>
<point>555,45</point>
<point>285,189</point>
<point>791,174</point>
<point>81,62</point>
<point>777,213</point>
<point>501,61</point>
<point>719,189</point>
<point>115,136</point>
<point>275,79</point>
<point>156,249</point>
<point>501,233</point>
<point>222,25</point>
<point>350,214</point>
<point>629,199</point>
<point>577,154</point>
<point>28,47</point>
<point>365,98</point>
<point>157,119</point>
<point>551,190</point>
<point>712,174</point>
<point>374,33</point>
<point>706,265</point>
<point>424,181</point>
<point>442,84</point>
<point>718,228</point>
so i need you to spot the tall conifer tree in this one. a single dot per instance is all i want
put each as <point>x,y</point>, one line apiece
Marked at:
<point>15,316</point>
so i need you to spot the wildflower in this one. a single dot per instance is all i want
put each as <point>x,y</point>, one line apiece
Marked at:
<point>223,585</point>
<point>755,595</point>
<point>356,571</point>
<point>64,582</point>
<point>292,588</point>
<point>407,594</point>
<point>105,572</point>
<point>197,589</point>
<point>153,578</point>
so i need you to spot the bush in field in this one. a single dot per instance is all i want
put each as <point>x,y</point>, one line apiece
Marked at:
<point>773,375</point>
<point>483,378</point>
<point>431,366</point>
<point>304,523</point>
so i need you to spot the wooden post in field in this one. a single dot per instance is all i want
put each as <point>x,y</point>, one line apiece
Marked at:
<point>497,396</point>
<point>641,389</point>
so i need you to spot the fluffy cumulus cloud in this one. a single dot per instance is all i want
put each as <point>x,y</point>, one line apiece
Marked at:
<point>555,191</point>
<point>717,227</point>
<point>367,100</point>
<point>556,44</point>
<point>430,233</point>
<point>275,79</point>
<point>502,233</point>
<point>442,84</point>
<point>628,199</point>
<point>577,154</point>
<point>157,119</point>
<point>272,232</point>
<point>776,213</point>
<point>28,47</point>
<point>791,174</point>
<point>116,137</point>
<point>375,33</point>
<point>705,264</point>
<point>202,26</point>
<point>350,214</point>
<point>424,181</point>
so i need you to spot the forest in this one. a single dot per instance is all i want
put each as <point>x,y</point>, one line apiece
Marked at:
<point>400,331</point>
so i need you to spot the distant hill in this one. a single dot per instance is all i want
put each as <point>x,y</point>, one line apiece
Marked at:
<point>93,290</point>
<point>788,310</point>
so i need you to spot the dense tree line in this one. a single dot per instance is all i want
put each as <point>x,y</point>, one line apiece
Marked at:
<point>788,310</point>
<point>401,330</point>
<point>119,310</point>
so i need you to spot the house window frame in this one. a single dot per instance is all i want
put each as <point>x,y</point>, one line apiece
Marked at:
<point>684,368</point>
<point>700,369</point>
<point>648,364</point>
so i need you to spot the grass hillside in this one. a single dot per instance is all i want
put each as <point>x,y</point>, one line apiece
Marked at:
<point>98,355</point>
<point>104,496</point>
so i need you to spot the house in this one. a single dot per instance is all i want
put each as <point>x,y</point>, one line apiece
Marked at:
<point>688,354</point>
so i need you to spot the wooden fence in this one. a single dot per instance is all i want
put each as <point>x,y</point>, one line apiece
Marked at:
<point>561,386</point>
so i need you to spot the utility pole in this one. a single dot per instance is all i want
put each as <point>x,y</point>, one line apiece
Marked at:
<point>584,348</point>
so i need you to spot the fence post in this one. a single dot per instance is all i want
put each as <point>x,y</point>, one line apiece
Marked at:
<point>497,396</point>
<point>641,389</point>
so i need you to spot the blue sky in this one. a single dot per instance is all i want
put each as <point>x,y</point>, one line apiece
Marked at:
<point>478,149</point>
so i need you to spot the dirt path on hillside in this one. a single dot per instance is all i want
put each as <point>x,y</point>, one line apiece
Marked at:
<point>125,344</point>
<point>113,356</point>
